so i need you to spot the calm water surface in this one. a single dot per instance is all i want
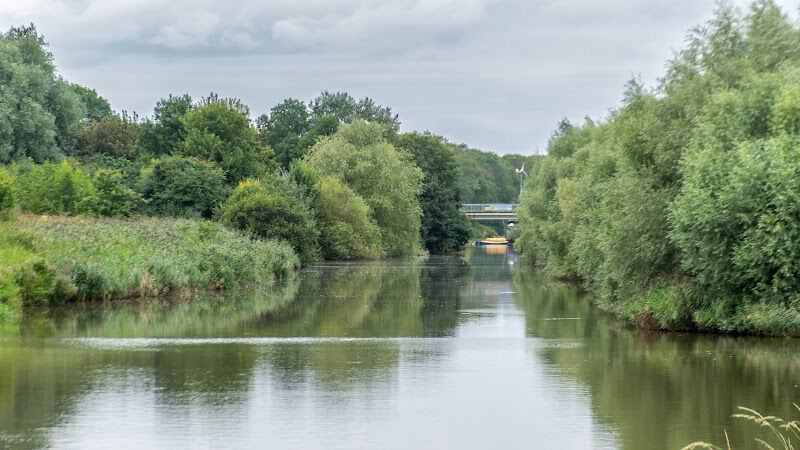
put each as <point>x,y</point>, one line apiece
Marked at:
<point>470,351</point>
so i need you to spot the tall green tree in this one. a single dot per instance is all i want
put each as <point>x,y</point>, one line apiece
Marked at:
<point>159,136</point>
<point>220,130</point>
<point>444,228</point>
<point>387,179</point>
<point>96,107</point>
<point>284,128</point>
<point>346,108</point>
<point>39,111</point>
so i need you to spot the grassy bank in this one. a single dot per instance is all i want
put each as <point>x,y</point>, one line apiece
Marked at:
<point>681,305</point>
<point>48,260</point>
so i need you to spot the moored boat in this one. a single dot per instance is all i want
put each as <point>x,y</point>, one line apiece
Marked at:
<point>493,241</point>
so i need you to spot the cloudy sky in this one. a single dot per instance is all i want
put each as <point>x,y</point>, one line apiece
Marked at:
<point>493,74</point>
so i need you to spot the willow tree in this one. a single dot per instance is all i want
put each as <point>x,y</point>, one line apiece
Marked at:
<point>386,178</point>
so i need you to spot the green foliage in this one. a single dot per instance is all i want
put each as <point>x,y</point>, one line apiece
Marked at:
<point>484,177</point>
<point>54,188</point>
<point>696,178</point>
<point>345,108</point>
<point>7,196</point>
<point>112,135</point>
<point>114,198</point>
<point>268,209</point>
<point>39,112</point>
<point>347,230</point>
<point>444,229</point>
<point>387,180</point>
<point>96,107</point>
<point>220,131</point>
<point>290,130</point>
<point>25,277</point>
<point>179,186</point>
<point>161,135</point>
<point>283,128</point>
<point>113,258</point>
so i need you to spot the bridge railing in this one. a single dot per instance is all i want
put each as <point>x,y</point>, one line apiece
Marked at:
<point>488,207</point>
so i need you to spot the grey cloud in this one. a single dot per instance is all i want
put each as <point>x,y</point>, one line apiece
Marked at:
<point>497,75</point>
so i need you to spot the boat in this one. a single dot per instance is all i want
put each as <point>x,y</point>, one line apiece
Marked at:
<point>493,241</point>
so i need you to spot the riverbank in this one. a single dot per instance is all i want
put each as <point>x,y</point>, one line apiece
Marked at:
<point>52,259</point>
<point>679,305</point>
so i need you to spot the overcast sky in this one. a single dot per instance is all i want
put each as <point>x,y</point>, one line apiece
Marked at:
<point>496,75</point>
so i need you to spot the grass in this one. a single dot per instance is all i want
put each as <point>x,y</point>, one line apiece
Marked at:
<point>785,434</point>
<point>52,259</point>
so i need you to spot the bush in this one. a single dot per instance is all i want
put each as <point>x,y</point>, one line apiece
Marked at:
<point>179,186</point>
<point>347,230</point>
<point>6,194</point>
<point>54,188</point>
<point>113,197</point>
<point>268,209</point>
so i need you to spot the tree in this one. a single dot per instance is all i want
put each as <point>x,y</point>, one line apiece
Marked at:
<point>220,130</point>
<point>444,228</point>
<point>111,135</point>
<point>345,108</point>
<point>181,186</point>
<point>39,111</point>
<point>387,180</point>
<point>347,230</point>
<point>160,135</point>
<point>96,107</point>
<point>286,123</point>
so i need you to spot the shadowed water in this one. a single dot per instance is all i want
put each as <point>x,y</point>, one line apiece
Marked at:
<point>469,351</point>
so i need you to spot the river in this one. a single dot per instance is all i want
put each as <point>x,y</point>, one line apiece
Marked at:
<point>466,351</point>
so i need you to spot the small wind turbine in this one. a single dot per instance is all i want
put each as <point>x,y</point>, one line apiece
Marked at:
<point>521,171</point>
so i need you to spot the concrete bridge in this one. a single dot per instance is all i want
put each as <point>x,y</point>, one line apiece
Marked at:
<point>490,211</point>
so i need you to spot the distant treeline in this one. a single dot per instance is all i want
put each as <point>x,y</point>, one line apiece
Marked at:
<point>681,210</point>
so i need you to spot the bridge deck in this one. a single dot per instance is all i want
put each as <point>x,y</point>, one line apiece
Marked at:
<point>490,211</point>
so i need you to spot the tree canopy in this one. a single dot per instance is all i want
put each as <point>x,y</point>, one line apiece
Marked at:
<point>387,179</point>
<point>39,110</point>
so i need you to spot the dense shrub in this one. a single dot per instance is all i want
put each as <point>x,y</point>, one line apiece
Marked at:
<point>6,194</point>
<point>268,209</point>
<point>113,198</point>
<point>180,186</point>
<point>54,188</point>
<point>347,230</point>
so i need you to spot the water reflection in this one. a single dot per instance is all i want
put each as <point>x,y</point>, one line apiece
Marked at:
<point>660,390</point>
<point>450,351</point>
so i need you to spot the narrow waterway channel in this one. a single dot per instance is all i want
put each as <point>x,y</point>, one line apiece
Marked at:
<point>467,351</point>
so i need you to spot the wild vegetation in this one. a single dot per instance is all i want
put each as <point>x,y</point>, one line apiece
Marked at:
<point>331,178</point>
<point>51,259</point>
<point>784,433</point>
<point>680,210</point>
